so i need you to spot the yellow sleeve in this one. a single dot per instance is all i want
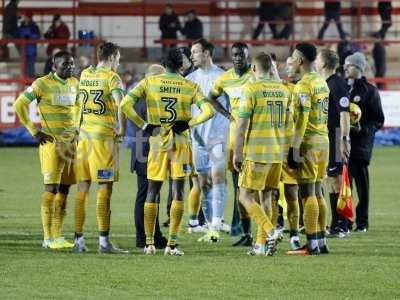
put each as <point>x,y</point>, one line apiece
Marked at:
<point>217,88</point>
<point>115,83</point>
<point>207,112</point>
<point>21,107</point>
<point>133,96</point>
<point>302,107</point>
<point>78,111</point>
<point>247,103</point>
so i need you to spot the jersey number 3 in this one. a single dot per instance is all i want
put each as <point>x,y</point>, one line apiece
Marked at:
<point>169,108</point>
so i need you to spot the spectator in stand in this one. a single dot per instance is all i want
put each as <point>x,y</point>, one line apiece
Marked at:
<point>285,12</point>
<point>83,63</point>
<point>29,30</point>
<point>366,96</point>
<point>48,66</point>
<point>385,11</point>
<point>379,56</point>
<point>266,13</point>
<point>345,48</point>
<point>169,25</point>
<point>332,12</point>
<point>10,25</point>
<point>193,28</point>
<point>57,30</point>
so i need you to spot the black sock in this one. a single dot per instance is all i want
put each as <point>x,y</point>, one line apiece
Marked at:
<point>246,225</point>
<point>333,198</point>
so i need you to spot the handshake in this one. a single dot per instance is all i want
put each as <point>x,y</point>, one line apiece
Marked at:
<point>177,127</point>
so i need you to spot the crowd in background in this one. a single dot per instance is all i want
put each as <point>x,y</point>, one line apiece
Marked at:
<point>278,16</point>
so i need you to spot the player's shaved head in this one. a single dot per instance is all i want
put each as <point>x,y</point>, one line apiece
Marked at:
<point>155,70</point>
<point>308,51</point>
<point>328,58</point>
<point>263,61</point>
<point>63,64</point>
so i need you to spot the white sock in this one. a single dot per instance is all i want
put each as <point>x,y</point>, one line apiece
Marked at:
<point>321,242</point>
<point>294,238</point>
<point>103,241</point>
<point>313,244</point>
<point>216,223</point>
<point>194,222</point>
<point>218,200</point>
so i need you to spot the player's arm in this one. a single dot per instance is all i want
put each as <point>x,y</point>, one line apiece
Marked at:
<point>117,93</point>
<point>118,96</point>
<point>207,112</point>
<point>21,107</point>
<point>302,103</point>
<point>342,103</point>
<point>245,112</point>
<point>128,103</point>
<point>212,99</point>
<point>215,92</point>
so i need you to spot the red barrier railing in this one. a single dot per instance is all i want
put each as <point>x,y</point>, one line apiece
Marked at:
<point>23,79</point>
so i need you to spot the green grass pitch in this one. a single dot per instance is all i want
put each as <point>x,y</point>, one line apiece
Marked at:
<point>365,266</point>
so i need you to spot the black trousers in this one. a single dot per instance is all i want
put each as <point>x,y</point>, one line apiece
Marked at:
<point>359,174</point>
<point>266,14</point>
<point>143,184</point>
<point>385,11</point>
<point>332,13</point>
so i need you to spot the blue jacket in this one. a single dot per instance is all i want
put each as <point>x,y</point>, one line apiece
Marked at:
<point>29,31</point>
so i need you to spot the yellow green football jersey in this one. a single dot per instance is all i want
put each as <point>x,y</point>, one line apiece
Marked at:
<point>100,112</point>
<point>168,96</point>
<point>311,94</point>
<point>57,104</point>
<point>289,116</point>
<point>265,103</point>
<point>232,84</point>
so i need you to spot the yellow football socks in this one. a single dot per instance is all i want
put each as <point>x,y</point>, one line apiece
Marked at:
<point>293,216</point>
<point>80,210</point>
<point>258,214</point>
<point>322,215</point>
<point>103,210</point>
<point>274,212</point>
<point>58,215</point>
<point>194,203</point>
<point>150,217</point>
<point>175,215</point>
<point>46,211</point>
<point>261,237</point>
<point>311,214</point>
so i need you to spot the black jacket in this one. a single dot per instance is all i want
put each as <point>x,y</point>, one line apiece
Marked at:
<point>169,26</point>
<point>193,30</point>
<point>10,19</point>
<point>140,145</point>
<point>366,96</point>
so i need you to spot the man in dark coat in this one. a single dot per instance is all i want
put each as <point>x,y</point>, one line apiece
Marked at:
<point>169,25</point>
<point>366,96</point>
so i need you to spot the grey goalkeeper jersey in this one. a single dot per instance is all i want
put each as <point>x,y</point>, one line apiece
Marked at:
<point>215,130</point>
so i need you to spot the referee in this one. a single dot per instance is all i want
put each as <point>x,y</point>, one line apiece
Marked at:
<point>338,132</point>
<point>366,96</point>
